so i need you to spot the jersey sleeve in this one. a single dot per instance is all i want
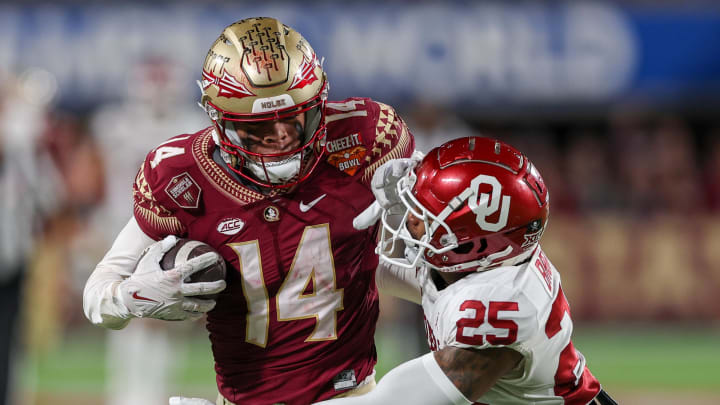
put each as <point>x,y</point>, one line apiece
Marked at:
<point>485,316</point>
<point>391,139</point>
<point>152,217</point>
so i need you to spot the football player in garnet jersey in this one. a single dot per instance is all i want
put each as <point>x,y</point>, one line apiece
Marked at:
<point>272,185</point>
<point>498,324</point>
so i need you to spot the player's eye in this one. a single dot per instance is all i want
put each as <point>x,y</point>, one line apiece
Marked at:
<point>252,128</point>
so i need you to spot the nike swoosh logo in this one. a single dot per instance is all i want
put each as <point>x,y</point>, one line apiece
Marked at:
<point>306,207</point>
<point>140,297</point>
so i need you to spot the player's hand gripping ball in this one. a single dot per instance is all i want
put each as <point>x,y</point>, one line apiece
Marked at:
<point>186,249</point>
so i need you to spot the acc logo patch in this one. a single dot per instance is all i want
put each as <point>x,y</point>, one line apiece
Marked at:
<point>230,226</point>
<point>184,191</point>
<point>271,214</point>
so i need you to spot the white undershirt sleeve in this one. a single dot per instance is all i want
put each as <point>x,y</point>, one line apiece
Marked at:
<point>101,303</point>
<point>418,381</point>
<point>398,281</point>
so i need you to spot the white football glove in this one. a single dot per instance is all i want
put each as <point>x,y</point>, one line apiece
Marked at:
<point>151,292</point>
<point>384,187</point>
<point>189,401</point>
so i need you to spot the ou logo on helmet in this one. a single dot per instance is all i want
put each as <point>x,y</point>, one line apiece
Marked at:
<point>484,204</point>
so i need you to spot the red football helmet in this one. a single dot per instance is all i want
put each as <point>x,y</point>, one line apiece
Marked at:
<point>258,71</point>
<point>482,202</point>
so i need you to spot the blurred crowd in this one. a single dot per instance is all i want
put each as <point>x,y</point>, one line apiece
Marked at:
<point>632,161</point>
<point>67,184</point>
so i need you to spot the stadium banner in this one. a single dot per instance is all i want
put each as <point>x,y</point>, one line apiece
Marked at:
<point>620,268</point>
<point>467,54</point>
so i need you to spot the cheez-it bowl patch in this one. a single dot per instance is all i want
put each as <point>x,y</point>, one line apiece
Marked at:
<point>348,160</point>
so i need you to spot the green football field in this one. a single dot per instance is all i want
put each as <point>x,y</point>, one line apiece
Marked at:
<point>638,365</point>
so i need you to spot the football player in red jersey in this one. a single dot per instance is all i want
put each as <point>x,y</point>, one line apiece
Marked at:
<point>498,324</point>
<point>273,185</point>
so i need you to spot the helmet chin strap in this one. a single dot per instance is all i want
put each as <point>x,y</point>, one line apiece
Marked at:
<point>486,262</point>
<point>411,253</point>
<point>490,259</point>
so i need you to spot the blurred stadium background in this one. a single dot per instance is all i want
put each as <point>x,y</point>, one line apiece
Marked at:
<point>617,103</point>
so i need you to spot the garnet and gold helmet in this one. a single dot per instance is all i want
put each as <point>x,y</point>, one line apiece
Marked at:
<point>483,204</point>
<point>261,70</point>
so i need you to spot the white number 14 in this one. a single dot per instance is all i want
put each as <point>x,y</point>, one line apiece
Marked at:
<point>308,291</point>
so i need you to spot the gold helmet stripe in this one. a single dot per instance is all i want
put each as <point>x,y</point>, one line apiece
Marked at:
<point>230,34</point>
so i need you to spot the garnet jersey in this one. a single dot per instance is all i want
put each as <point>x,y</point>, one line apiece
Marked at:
<point>296,321</point>
<point>521,307</point>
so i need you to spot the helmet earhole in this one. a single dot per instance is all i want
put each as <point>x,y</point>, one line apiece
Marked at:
<point>464,248</point>
<point>483,245</point>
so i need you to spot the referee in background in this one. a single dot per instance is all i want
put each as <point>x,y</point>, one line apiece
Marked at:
<point>28,193</point>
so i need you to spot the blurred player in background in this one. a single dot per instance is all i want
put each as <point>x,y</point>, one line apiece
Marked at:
<point>433,124</point>
<point>498,324</point>
<point>29,193</point>
<point>273,185</point>
<point>139,357</point>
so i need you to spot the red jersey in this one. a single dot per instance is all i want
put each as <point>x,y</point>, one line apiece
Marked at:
<point>296,321</point>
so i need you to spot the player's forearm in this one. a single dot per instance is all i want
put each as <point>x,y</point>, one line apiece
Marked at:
<point>473,371</point>
<point>101,302</point>
<point>398,281</point>
<point>418,381</point>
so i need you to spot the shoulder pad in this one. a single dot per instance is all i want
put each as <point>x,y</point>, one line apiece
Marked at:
<point>165,184</point>
<point>368,131</point>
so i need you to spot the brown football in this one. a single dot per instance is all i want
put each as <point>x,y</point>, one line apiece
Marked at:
<point>186,249</point>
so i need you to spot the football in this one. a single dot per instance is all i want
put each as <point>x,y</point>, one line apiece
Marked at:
<point>186,249</point>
